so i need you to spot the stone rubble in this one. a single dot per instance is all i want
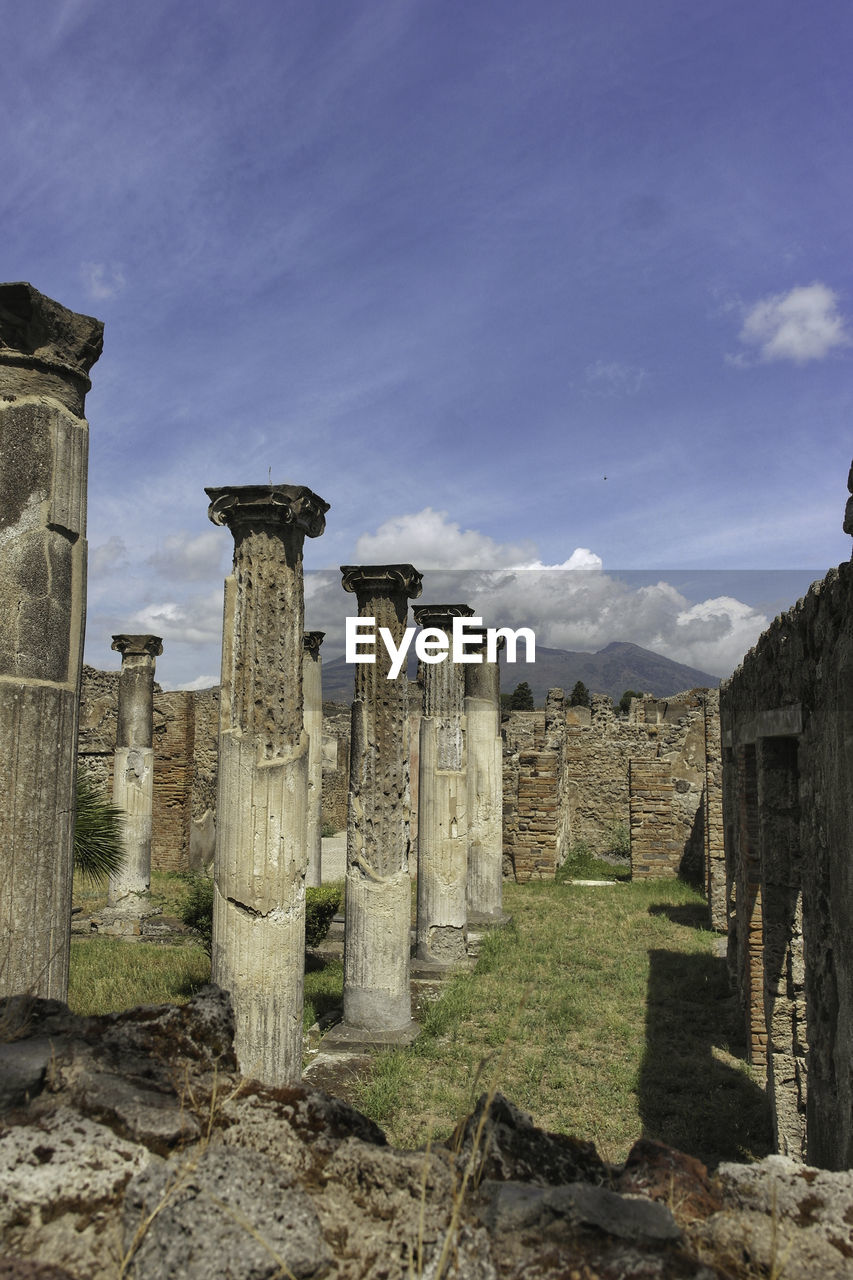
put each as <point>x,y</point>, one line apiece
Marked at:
<point>130,1146</point>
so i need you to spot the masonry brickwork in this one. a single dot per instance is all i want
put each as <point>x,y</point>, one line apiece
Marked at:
<point>788,761</point>
<point>568,778</point>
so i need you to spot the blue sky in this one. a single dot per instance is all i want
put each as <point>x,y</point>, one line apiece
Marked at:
<point>450,265</point>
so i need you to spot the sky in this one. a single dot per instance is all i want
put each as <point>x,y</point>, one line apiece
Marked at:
<point>554,289</point>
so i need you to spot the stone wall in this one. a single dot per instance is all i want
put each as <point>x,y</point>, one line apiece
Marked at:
<point>336,734</point>
<point>530,798</point>
<point>186,728</point>
<point>786,717</point>
<point>568,779</point>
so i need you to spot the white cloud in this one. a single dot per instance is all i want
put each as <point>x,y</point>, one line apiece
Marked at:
<point>572,605</point>
<point>428,540</point>
<point>803,324</point>
<point>109,555</point>
<point>102,280</point>
<point>185,559</point>
<point>200,682</point>
<point>195,621</point>
<point>610,378</point>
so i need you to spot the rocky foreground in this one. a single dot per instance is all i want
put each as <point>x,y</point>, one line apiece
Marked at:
<point>130,1147</point>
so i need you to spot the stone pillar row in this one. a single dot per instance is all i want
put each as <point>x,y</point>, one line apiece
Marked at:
<point>269,787</point>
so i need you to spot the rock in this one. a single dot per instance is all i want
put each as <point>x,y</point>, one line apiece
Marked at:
<point>508,1147</point>
<point>226,1212</point>
<point>680,1181</point>
<point>132,1137</point>
<point>778,1213</point>
<point>62,1182</point>
<point>514,1206</point>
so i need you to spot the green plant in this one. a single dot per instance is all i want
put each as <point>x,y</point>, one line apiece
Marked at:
<point>579,696</point>
<point>521,698</point>
<point>619,840</point>
<point>328,829</point>
<point>321,903</point>
<point>197,908</point>
<point>624,703</point>
<point>98,844</point>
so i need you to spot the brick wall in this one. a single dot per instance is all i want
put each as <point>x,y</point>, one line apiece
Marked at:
<point>786,717</point>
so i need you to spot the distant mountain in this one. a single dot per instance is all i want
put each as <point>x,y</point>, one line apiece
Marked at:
<point>615,668</point>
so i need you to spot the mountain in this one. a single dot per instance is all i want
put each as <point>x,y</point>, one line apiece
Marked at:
<point>615,668</point>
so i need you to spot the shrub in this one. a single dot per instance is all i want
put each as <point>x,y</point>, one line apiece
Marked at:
<point>321,903</point>
<point>197,909</point>
<point>98,844</point>
<point>619,840</point>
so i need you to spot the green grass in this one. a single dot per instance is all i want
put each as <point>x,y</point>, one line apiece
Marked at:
<point>604,1013</point>
<point>109,974</point>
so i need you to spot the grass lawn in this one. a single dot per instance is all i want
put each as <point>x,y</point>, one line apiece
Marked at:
<point>604,1012</point>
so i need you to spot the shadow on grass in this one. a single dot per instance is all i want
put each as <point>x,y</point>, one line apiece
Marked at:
<point>693,915</point>
<point>693,1094</point>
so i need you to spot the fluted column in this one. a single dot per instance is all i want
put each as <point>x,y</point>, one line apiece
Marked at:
<point>261,831</point>
<point>378,886</point>
<point>442,800</point>
<point>133,772</point>
<point>312,692</point>
<point>46,352</point>
<point>485,789</point>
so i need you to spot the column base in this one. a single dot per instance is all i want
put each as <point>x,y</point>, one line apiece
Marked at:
<point>481,920</point>
<point>345,1039</point>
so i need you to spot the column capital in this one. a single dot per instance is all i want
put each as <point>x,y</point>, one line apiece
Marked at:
<point>382,579</point>
<point>270,504</point>
<point>38,333</point>
<point>440,615</point>
<point>311,641</point>
<point>137,646</point>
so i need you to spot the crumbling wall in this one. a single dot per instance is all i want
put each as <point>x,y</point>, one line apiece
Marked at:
<point>186,728</point>
<point>336,737</point>
<point>786,717</point>
<point>567,779</point>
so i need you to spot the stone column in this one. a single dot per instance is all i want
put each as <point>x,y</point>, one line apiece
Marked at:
<point>442,802</point>
<point>377,998</point>
<point>133,773</point>
<point>312,692</point>
<point>261,829</point>
<point>46,353</point>
<point>485,789</point>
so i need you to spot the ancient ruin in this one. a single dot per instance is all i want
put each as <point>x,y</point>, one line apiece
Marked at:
<point>46,353</point>
<point>133,771</point>
<point>377,997</point>
<point>442,928</point>
<point>261,853</point>
<point>787,768</point>
<point>485,790</point>
<point>312,693</point>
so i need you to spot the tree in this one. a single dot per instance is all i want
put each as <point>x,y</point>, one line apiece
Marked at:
<point>624,704</point>
<point>579,695</point>
<point>522,697</point>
